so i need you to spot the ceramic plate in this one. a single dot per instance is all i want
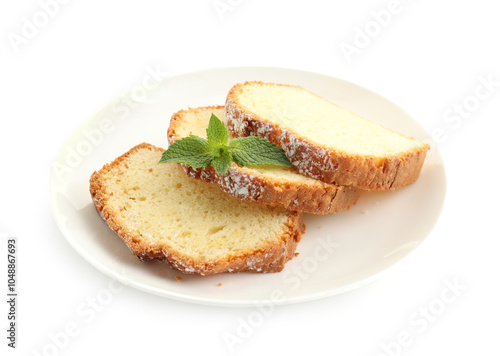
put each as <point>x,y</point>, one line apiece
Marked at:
<point>338,252</point>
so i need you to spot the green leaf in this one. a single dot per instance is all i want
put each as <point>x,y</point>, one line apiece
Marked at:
<point>192,150</point>
<point>214,150</point>
<point>217,133</point>
<point>252,150</point>
<point>222,161</point>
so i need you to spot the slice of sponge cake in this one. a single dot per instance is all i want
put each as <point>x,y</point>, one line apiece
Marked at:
<point>323,140</point>
<point>162,214</point>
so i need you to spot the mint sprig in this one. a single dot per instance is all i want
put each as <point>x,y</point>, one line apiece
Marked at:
<point>214,150</point>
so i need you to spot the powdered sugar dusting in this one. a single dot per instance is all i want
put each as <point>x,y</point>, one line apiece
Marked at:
<point>240,186</point>
<point>236,124</point>
<point>306,159</point>
<point>235,183</point>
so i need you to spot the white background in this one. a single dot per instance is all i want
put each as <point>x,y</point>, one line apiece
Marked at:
<point>429,57</point>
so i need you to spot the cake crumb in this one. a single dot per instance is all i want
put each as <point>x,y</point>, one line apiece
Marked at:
<point>364,212</point>
<point>179,279</point>
<point>220,284</point>
<point>296,254</point>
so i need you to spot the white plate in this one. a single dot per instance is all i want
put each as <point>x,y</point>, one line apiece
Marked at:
<point>337,253</point>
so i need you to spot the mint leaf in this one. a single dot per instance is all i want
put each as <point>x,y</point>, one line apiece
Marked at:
<point>217,136</point>
<point>253,150</point>
<point>192,150</point>
<point>217,133</point>
<point>222,162</point>
<point>214,150</point>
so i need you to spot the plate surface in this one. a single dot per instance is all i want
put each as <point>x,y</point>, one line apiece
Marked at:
<point>337,253</point>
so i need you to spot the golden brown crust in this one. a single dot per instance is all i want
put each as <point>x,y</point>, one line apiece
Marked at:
<point>247,184</point>
<point>325,164</point>
<point>264,259</point>
<point>292,196</point>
